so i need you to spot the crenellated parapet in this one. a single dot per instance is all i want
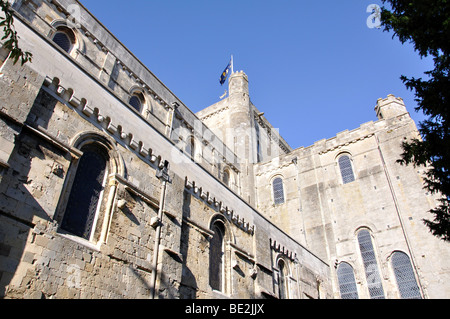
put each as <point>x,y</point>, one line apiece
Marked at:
<point>109,123</point>
<point>218,204</point>
<point>280,248</point>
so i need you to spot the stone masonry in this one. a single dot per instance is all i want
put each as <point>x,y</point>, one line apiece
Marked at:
<point>208,205</point>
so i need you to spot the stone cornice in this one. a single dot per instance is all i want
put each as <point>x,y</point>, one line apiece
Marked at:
<point>341,145</point>
<point>214,113</point>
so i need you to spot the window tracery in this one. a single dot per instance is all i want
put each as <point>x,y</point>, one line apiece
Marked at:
<point>278,191</point>
<point>347,282</point>
<point>370,265</point>
<point>346,168</point>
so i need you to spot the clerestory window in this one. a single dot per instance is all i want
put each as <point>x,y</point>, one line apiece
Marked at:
<point>278,191</point>
<point>347,283</point>
<point>346,168</point>
<point>404,274</point>
<point>65,39</point>
<point>370,265</point>
<point>137,101</point>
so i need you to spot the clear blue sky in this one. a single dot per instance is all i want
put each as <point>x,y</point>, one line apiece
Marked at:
<point>314,67</point>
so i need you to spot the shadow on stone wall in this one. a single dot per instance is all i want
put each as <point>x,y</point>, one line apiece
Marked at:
<point>188,289</point>
<point>22,217</point>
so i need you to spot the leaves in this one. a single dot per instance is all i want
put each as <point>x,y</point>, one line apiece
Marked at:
<point>10,35</point>
<point>440,226</point>
<point>426,24</point>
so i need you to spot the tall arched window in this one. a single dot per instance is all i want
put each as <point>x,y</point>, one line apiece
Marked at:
<point>370,265</point>
<point>278,191</point>
<point>345,165</point>
<point>216,257</point>
<point>64,38</point>
<point>404,273</point>
<point>282,279</point>
<point>86,191</point>
<point>347,283</point>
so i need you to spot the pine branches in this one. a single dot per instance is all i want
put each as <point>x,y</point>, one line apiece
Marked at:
<point>10,37</point>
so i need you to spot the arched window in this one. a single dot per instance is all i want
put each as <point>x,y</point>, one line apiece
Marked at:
<point>86,191</point>
<point>137,100</point>
<point>347,283</point>
<point>282,279</point>
<point>216,257</point>
<point>226,177</point>
<point>370,265</point>
<point>65,39</point>
<point>345,165</point>
<point>404,273</point>
<point>190,147</point>
<point>278,191</point>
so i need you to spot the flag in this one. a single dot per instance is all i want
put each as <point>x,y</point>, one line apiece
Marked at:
<point>224,75</point>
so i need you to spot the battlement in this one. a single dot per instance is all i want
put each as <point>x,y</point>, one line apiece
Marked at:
<point>237,73</point>
<point>391,106</point>
<point>238,83</point>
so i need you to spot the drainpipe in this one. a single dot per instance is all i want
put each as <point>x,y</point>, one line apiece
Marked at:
<point>163,175</point>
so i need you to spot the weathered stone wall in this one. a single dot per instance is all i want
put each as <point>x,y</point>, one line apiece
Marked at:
<point>196,236</point>
<point>251,256</point>
<point>52,107</point>
<point>60,102</point>
<point>43,261</point>
<point>325,214</point>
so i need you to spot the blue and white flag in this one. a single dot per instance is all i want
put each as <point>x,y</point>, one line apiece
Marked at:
<point>224,75</point>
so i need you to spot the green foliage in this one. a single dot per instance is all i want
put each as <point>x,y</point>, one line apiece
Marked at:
<point>426,24</point>
<point>10,37</point>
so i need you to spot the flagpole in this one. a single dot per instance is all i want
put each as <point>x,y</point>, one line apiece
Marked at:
<point>232,65</point>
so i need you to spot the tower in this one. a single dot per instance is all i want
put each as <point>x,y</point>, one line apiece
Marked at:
<point>239,130</point>
<point>245,131</point>
<point>390,107</point>
<point>240,133</point>
<point>233,120</point>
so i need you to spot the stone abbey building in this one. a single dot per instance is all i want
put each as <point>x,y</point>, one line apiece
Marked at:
<point>110,187</point>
